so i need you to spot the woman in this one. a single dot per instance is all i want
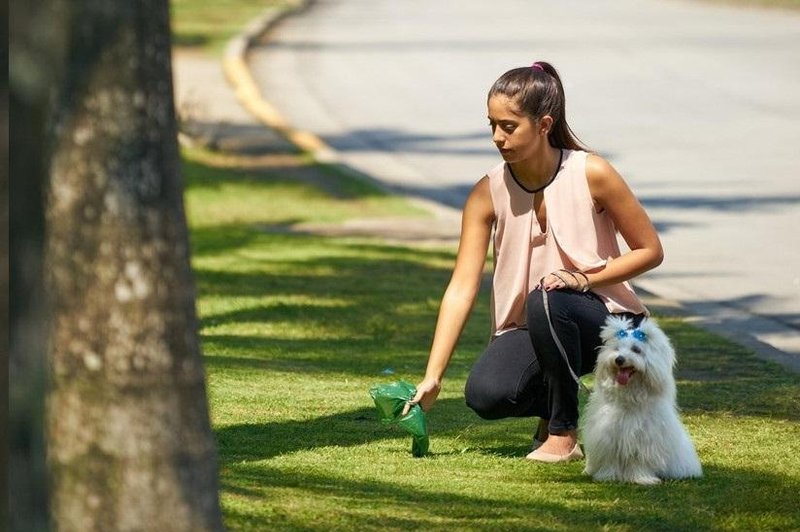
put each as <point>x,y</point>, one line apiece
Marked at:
<point>555,210</point>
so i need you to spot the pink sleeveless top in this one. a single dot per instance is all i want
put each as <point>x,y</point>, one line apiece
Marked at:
<point>576,237</point>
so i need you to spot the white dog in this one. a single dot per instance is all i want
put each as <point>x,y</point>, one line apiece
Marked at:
<point>632,432</point>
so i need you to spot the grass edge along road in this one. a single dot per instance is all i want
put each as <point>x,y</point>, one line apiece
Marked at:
<point>297,327</point>
<point>207,25</point>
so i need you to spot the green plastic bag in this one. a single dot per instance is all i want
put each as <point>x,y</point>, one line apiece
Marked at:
<point>390,399</point>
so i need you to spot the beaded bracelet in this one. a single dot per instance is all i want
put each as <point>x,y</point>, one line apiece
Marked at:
<point>580,286</point>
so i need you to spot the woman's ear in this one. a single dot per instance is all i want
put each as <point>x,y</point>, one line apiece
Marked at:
<point>545,124</point>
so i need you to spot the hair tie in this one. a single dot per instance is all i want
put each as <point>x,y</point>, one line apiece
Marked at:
<point>537,66</point>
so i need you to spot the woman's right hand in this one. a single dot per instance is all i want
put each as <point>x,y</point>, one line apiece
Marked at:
<point>427,392</point>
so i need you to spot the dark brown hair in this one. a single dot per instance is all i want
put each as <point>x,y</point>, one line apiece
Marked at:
<point>537,90</point>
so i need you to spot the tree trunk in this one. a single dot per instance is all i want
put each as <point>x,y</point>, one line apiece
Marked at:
<point>130,444</point>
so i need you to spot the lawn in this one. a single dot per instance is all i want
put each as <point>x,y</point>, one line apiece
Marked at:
<point>208,24</point>
<point>793,5</point>
<point>296,328</point>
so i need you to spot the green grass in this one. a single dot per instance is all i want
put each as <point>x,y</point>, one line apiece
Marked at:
<point>296,328</point>
<point>768,4</point>
<point>208,24</point>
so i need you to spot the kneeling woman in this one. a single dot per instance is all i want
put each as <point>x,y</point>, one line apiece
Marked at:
<point>555,210</point>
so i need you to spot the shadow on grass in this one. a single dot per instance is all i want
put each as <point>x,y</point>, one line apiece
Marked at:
<point>397,507</point>
<point>327,179</point>
<point>343,268</point>
<point>725,495</point>
<point>189,40</point>
<point>265,440</point>
<point>324,356</point>
<point>260,441</point>
<point>277,312</point>
<point>218,240</point>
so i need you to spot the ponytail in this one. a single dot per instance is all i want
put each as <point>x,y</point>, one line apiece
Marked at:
<point>538,91</point>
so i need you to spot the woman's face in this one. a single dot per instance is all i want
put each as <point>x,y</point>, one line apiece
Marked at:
<point>515,134</point>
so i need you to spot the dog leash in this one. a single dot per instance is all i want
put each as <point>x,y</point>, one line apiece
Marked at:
<point>558,342</point>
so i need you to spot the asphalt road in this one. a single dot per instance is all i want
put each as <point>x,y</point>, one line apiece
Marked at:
<point>696,105</point>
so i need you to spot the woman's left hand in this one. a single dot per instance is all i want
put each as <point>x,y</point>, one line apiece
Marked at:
<point>561,279</point>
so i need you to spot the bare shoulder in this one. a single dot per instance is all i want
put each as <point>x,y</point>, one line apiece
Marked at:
<point>598,170</point>
<point>604,180</point>
<point>481,188</point>
<point>479,202</point>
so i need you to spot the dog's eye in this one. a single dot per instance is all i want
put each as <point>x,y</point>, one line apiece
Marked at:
<point>636,349</point>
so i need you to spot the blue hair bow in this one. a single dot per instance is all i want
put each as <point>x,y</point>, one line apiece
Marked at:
<point>638,334</point>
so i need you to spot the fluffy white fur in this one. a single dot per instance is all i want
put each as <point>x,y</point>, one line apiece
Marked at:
<point>632,432</point>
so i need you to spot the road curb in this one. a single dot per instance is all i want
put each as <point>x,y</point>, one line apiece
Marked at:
<point>237,72</point>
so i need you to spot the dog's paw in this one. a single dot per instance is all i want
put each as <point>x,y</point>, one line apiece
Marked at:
<point>646,480</point>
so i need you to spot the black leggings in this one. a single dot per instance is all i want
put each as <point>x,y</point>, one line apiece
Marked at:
<point>522,373</point>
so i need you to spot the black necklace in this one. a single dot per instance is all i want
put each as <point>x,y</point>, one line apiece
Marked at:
<point>553,178</point>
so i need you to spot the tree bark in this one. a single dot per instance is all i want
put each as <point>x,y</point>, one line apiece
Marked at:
<point>130,443</point>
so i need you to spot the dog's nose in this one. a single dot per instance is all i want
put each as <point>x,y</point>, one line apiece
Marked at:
<point>620,360</point>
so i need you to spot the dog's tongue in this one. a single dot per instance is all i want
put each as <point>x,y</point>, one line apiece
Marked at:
<point>624,375</point>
